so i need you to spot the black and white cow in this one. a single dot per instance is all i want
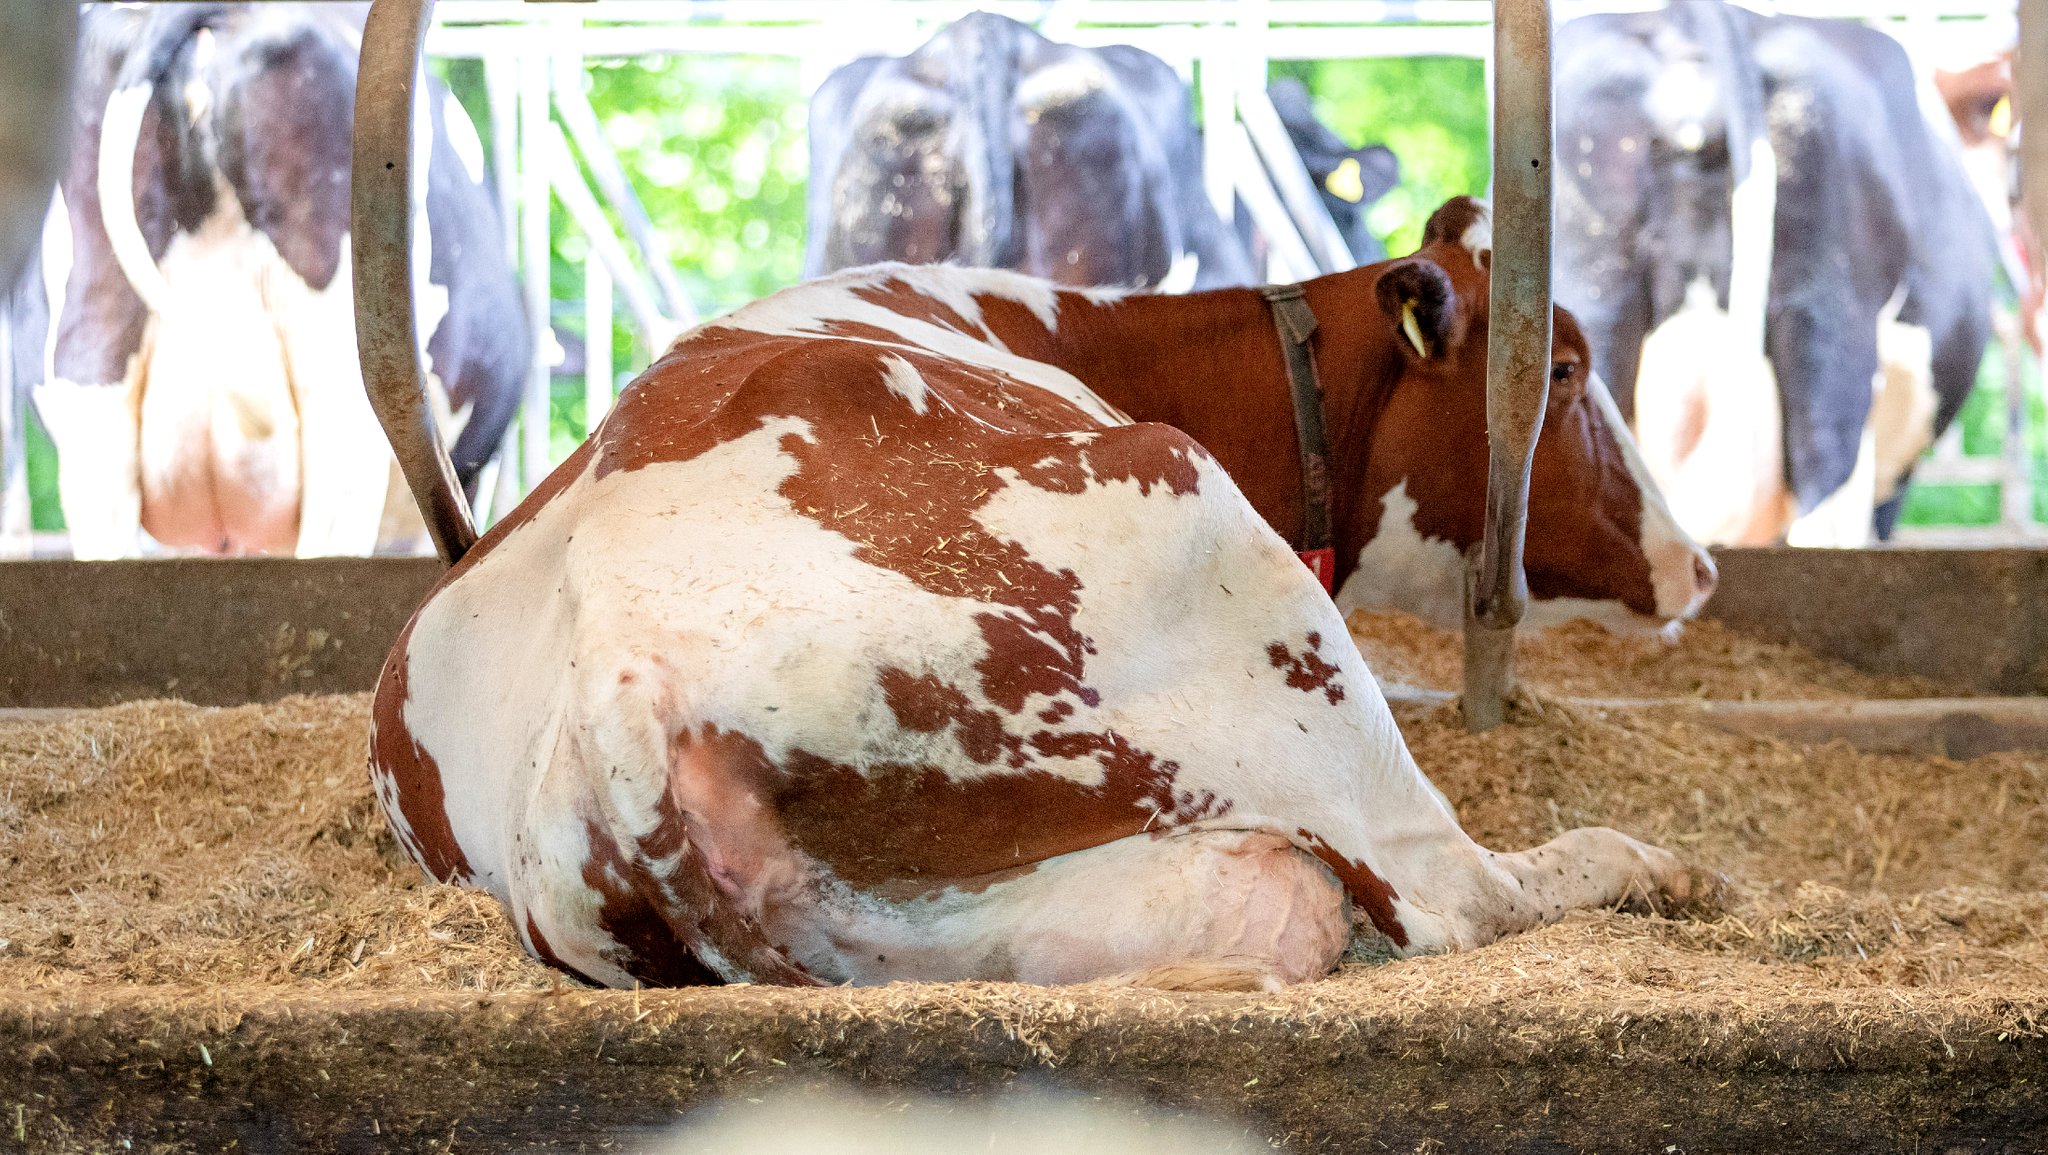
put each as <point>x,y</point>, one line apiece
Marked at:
<point>1349,179</point>
<point>200,377</point>
<point>993,146</point>
<point>1779,263</point>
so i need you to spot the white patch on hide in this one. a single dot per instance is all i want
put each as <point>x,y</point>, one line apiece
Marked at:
<point>1399,569</point>
<point>1843,519</point>
<point>810,308</point>
<point>1180,277</point>
<point>1902,413</point>
<point>1478,239</point>
<point>903,380</point>
<point>56,276</point>
<point>1900,426</point>
<point>94,429</point>
<point>346,463</point>
<point>1673,555</point>
<point>1708,425</point>
<point>1753,223</point>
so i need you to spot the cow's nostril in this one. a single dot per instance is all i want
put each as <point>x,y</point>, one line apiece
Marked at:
<point>1704,578</point>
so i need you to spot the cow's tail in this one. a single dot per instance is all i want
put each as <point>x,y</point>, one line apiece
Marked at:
<point>981,74</point>
<point>145,73</point>
<point>1722,31</point>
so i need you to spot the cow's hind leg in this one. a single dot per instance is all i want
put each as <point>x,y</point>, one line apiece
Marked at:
<point>1200,910</point>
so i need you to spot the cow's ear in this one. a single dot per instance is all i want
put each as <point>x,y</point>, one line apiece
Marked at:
<point>1362,176</point>
<point>1420,303</point>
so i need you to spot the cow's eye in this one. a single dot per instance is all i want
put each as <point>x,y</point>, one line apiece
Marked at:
<point>1561,372</point>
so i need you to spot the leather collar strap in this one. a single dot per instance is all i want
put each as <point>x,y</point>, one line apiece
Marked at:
<point>1297,325</point>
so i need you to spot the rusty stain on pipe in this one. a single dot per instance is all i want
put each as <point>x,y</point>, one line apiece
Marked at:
<point>381,223</point>
<point>1518,350</point>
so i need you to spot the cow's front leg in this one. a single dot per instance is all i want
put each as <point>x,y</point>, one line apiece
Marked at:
<point>99,480</point>
<point>1584,869</point>
<point>1594,866</point>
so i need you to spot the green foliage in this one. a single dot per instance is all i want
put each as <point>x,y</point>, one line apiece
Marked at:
<point>1431,110</point>
<point>717,149</point>
<point>1950,505</point>
<point>46,512</point>
<point>1983,421</point>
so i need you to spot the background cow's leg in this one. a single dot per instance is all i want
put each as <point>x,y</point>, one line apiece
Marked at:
<point>1824,349</point>
<point>99,483</point>
<point>23,333</point>
<point>345,462</point>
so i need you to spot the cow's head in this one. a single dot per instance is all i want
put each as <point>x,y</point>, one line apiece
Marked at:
<point>1601,543</point>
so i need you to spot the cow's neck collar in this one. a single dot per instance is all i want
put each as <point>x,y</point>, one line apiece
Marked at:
<point>1296,324</point>
<point>1200,363</point>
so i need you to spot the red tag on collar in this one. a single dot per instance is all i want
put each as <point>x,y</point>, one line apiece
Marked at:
<point>1322,563</point>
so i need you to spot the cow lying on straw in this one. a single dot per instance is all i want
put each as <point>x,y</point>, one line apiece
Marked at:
<point>872,638</point>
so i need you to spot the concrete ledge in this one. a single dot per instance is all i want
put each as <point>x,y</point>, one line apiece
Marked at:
<point>548,1072</point>
<point>1959,728</point>
<point>208,631</point>
<point>225,631</point>
<point>1975,618</point>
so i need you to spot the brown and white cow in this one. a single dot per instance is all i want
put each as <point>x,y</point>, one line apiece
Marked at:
<point>936,623</point>
<point>197,365</point>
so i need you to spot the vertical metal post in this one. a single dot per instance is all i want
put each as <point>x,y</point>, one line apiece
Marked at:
<point>1219,109</point>
<point>16,530</point>
<point>2031,80</point>
<point>381,225</point>
<point>501,94</point>
<point>2016,491</point>
<point>1517,348</point>
<point>597,342</point>
<point>534,257</point>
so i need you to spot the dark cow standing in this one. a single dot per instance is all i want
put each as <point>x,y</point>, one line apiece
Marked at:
<point>201,381</point>
<point>995,147</point>
<point>1658,115</point>
<point>1348,179</point>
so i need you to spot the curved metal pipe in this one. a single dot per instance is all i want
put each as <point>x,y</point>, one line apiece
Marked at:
<point>381,225</point>
<point>1517,348</point>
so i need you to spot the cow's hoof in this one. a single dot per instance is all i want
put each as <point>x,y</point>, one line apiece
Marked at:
<point>1690,892</point>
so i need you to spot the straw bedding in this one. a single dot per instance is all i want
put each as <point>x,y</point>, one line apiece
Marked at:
<point>185,848</point>
<point>1580,659</point>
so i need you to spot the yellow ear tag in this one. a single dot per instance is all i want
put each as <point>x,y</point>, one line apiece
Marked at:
<point>2001,117</point>
<point>1345,182</point>
<point>1413,329</point>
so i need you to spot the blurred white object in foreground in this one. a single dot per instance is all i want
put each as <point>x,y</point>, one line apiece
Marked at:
<point>832,1121</point>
